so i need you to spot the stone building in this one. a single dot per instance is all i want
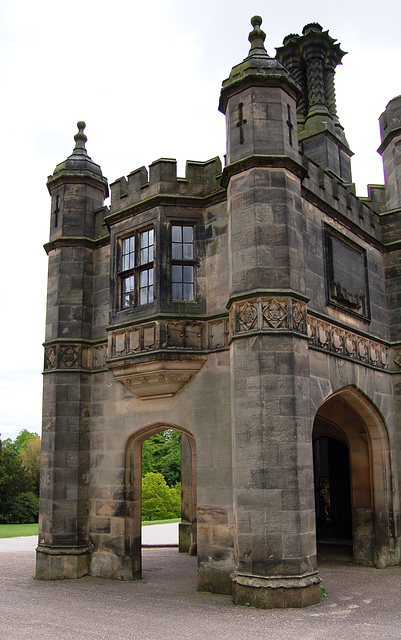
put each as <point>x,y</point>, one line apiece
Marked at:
<point>253,307</point>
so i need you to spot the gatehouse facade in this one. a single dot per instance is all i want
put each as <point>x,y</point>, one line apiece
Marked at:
<point>254,307</point>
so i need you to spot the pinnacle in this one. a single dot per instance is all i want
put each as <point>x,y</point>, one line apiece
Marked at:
<point>80,139</point>
<point>257,37</point>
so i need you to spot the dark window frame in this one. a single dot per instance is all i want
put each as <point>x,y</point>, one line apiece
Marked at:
<point>132,264</point>
<point>182,260</point>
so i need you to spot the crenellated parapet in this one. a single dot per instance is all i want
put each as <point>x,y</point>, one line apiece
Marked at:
<point>339,200</point>
<point>201,180</point>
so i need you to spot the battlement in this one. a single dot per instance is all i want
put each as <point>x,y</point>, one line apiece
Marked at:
<point>362,212</point>
<point>201,179</point>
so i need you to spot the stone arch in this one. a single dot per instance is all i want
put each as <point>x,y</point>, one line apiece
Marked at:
<point>133,495</point>
<point>350,416</point>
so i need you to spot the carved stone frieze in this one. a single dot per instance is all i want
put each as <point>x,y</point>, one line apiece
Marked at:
<point>156,359</point>
<point>269,313</point>
<point>169,334</point>
<point>72,356</point>
<point>343,342</point>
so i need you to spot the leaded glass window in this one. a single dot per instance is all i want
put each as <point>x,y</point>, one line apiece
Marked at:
<point>182,263</point>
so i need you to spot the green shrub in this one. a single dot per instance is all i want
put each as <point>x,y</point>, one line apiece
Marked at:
<point>24,509</point>
<point>159,501</point>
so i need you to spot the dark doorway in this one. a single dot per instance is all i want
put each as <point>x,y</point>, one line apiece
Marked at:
<point>332,490</point>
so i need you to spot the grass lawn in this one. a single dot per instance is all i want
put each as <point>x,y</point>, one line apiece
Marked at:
<point>146,522</point>
<point>16,530</point>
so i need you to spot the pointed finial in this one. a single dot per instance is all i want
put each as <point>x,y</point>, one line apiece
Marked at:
<point>80,138</point>
<point>257,36</point>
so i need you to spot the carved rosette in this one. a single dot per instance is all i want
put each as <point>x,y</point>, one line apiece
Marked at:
<point>247,317</point>
<point>69,356</point>
<point>274,314</point>
<point>334,339</point>
<point>268,314</point>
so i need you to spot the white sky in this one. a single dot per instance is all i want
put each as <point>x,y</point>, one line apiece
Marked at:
<point>145,77</point>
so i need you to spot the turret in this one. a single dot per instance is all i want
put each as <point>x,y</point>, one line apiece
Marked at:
<point>275,550</point>
<point>77,188</point>
<point>390,149</point>
<point>259,102</point>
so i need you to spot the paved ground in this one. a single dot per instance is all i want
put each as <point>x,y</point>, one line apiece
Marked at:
<point>362,603</point>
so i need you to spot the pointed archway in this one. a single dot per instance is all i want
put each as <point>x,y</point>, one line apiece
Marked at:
<point>133,496</point>
<point>347,423</point>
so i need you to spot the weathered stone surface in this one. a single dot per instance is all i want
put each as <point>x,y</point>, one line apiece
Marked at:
<point>288,337</point>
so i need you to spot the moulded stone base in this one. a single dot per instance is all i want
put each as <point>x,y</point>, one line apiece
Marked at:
<point>215,582</point>
<point>184,537</point>
<point>55,563</point>
<point>107,565</point>
<point>273,593</point>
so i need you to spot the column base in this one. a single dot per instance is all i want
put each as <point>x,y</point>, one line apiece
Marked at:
<point>184,536</point>
<point>61,563</point>
<point>276,592</point>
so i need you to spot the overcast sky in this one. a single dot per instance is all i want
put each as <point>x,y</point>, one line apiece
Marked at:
<point>145,77</point>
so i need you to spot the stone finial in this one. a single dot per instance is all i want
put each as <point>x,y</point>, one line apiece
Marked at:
<point>80,139</point>
<point>257,36</point>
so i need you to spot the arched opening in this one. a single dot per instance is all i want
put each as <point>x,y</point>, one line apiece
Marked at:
<point>133,496</point>
<point>352,476</point>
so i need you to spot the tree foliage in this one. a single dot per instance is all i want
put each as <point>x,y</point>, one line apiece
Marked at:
<point>19,478</point>
<point>159,501</point>
<point>161,453</point>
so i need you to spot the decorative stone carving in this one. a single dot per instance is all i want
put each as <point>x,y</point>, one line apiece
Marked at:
<point>50,357</point>
<point>273,313</point>
<point>157,378</point>
<point>337,340</point>
<point>69,356</point>
<point>99,354</point>
<point>169,334</point>
<point>299,316</point>
<point>75,356</point>
<point>397,358</point>
<point>218,334</point>
<point>247,316</point>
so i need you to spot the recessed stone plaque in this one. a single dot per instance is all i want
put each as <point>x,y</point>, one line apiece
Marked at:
<point>346,274</point>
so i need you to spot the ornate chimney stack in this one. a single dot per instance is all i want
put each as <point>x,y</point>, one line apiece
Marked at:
<point>312,59</point>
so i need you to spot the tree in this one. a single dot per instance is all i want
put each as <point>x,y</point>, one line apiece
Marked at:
<point>161,453</point>
<point>29,455</point>
<point>25,508</point>
<point>159,501</point>
<point>23,439</point>
<point>19,478</point>
<point>13,478</point>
